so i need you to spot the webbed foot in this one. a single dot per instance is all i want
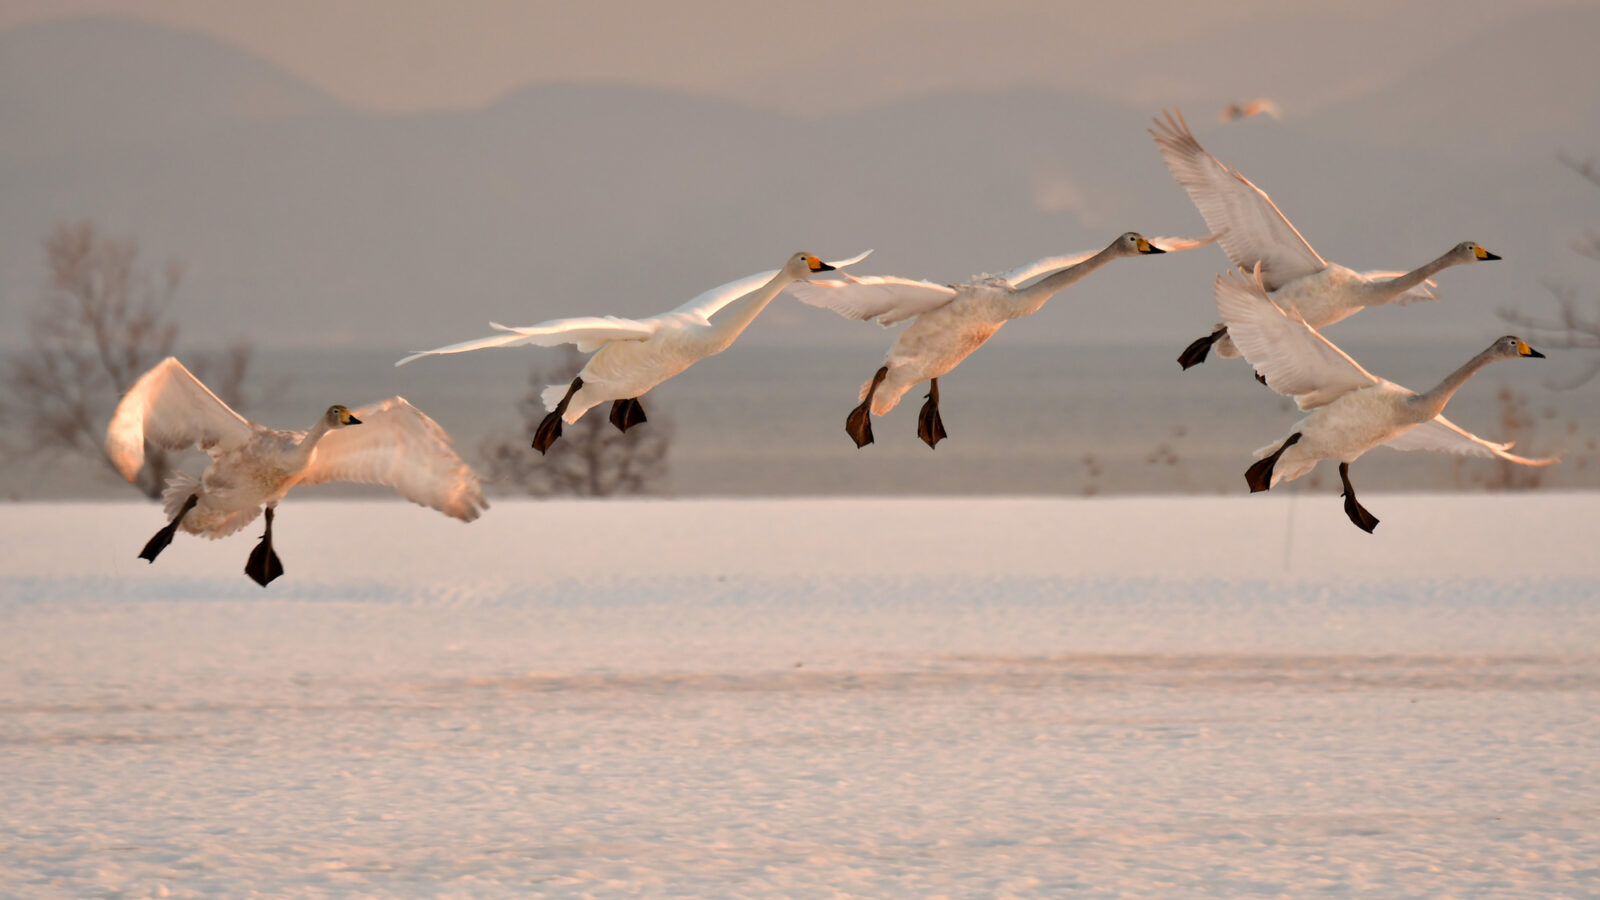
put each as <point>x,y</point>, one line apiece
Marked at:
<point>550,426</point>
<point>1195,354</point>
<point>929,426</point>
<point>1358,514</point>
<point>627,413</point>
<point>1259,475</point>
<point>859,423</point>
<point>263,564</point>
<point>159,541</point>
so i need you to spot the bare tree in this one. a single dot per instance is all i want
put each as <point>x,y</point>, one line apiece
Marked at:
<point>101,322</point>
<point>592,459</point>
<point>1576,325</point>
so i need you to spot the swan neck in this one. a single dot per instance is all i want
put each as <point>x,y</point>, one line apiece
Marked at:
<point>1029,299</point>
<point>1386,290</point>
<point>734,318</point>
<point>1431,403</point>
<point>308,443</point>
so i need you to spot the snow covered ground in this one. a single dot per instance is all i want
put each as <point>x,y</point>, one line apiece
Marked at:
<point>1133,697</point>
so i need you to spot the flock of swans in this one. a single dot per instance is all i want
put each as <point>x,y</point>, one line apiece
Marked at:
<point>1271,303</point>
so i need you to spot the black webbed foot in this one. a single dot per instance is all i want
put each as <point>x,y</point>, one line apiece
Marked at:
<point>929,426</point>
<point>550,426</point>
<point>1259,475</point>
<point>1358,514</point>
<point>859,423</point>
<point>627,413</point>
<point>159,541</point>
<point>1195,354</point>
<point>263,564</point>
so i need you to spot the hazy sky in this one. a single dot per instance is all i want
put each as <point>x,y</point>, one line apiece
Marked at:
<point>408,55</point>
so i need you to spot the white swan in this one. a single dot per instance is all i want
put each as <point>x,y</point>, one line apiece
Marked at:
<point>252,465</point>
<point>635,355</point>
<point>1352,410</point>
<point>1252,230</point>
<point>952,321</point>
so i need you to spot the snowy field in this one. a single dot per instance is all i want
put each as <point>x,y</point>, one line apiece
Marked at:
<point>1135,697</point>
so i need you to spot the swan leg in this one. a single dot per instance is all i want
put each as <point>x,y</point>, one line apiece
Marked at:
<point>263,564</point>
<point>162,538</point>
<point>1358,514</point>
<point>627,413</point>
<point>1195,354</point>
<point>859,423</point>
<point>1259,476</point>
<point>550,426</point>
<point>929,426</point>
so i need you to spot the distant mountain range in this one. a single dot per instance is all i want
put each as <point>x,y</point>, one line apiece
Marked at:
<point>303,222</point>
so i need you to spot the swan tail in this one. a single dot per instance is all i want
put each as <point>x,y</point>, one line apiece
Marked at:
<point>1225,348</point>
<point>180,487</point>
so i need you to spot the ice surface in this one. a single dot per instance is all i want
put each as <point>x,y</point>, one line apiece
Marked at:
<point>1142,697</point>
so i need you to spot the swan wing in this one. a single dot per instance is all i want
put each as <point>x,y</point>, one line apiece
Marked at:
<point>170,408</point>
<point>1422,291</point>
<point>1249,225</point>
<point>1444,436</point>
<point>397,445</point>
<point>588,332</point>
<point>709,303</point>
<point>1294,358</point>
<point>886,298</point>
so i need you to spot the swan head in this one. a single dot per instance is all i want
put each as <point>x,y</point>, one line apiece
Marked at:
<point>1471,251</point>
<point>804,265</point>
<point>338,416</point>
<point>1512,346</point>
<point>1133,243</point>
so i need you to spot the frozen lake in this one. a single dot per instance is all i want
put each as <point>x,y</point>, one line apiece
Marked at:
<point>1132,697</point>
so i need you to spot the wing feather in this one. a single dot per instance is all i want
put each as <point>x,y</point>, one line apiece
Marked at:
<point>1250,226</point>
<point>1293,357</point>
<point>170,408</point>
<point>1444,436</point>
<point>588,332</point>
<point>886,298</point>
<point>709,303</point>
<point>397,445</point>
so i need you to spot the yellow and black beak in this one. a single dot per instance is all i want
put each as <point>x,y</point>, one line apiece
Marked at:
<point>348,419</point>
<point>1483,254</point>
<point>1147,247</point>
<point>1524,350</point>
<point>818,265</point>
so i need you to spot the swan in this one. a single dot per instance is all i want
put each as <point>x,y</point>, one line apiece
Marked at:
<point>1352,410</point>
<point>1252,230</point>
<point>1258,106</point>
<point>951,321</point>
<point>634,355</point>
<point>254,466</point>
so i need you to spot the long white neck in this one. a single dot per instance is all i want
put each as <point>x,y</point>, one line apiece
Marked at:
<point>1386,290</point>
<point>1431,403</point>
<point>734,318</point>
<point>301,457</point>
<point>1026,301</point>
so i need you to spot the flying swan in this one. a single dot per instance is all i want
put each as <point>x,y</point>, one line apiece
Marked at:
<point>952,320</point>
<point>634,355</point>
<point>1252,230</point>
<point>252,465</point>
<point>1352,410</point>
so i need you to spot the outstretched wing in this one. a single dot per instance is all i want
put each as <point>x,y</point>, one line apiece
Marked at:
<point>709,303</point>
<point>1445,436</point>
<point>1056,263</point>
<point>882,297</point>
<point>1293,357</point>
<point>588,332</point>
<point>1249,224</point>
<point>170,408</point>
<point>397,445</point>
